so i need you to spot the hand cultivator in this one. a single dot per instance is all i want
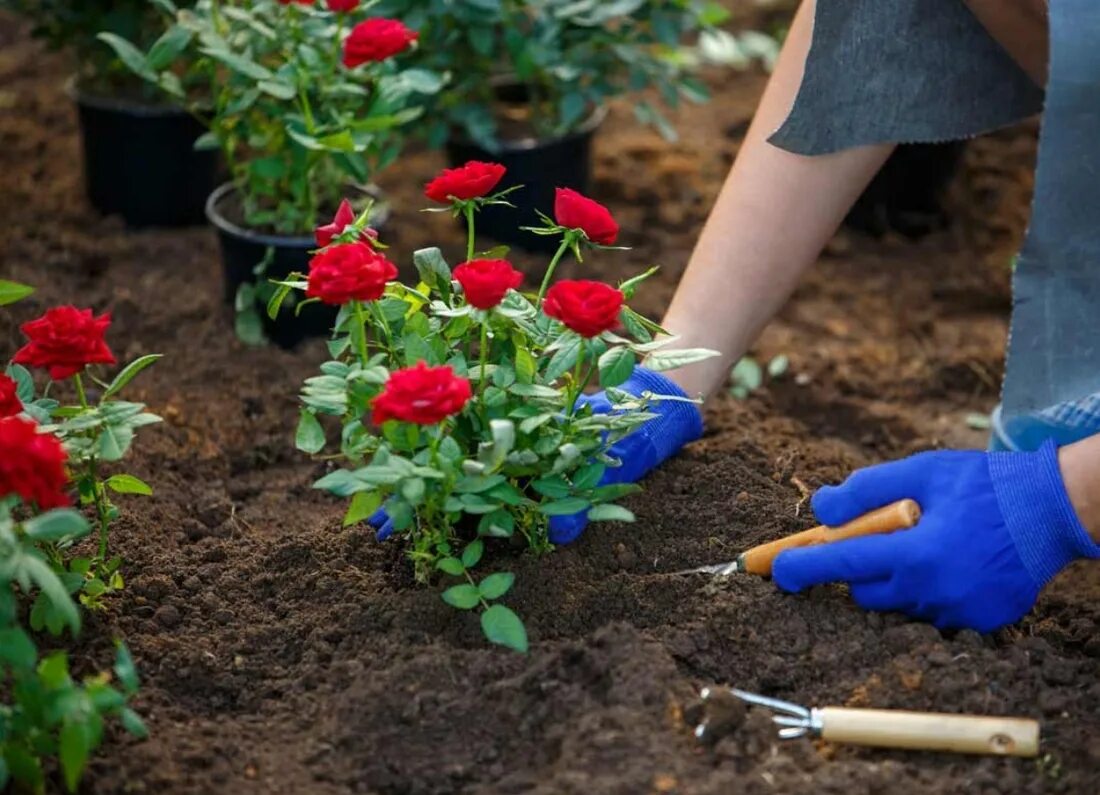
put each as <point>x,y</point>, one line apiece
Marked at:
<point>879,728</point>
<point>900,515</point>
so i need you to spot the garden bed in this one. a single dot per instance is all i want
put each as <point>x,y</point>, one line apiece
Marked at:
<point>282,654</point>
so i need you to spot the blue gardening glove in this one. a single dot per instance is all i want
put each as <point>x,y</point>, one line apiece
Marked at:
<point>996,527</point>
<point>648,446</point>
<point>382,524</point>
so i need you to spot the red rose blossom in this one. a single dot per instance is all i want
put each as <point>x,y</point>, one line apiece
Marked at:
<point>32,464</point>
<point>574,211</point>
<point>64,341</point>
<point>342,6</point>
<point>421,394</point>
<point>465,182</point>
<point>485,281</point>
<point>376,40</point>
<point>345,216</point>
<point>349,272</point>
<point>10,404</point>
<point>589,308</point>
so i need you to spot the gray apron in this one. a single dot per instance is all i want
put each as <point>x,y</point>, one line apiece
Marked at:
<point>908,71</point>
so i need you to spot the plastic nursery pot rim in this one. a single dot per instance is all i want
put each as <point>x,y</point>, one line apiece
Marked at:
<point>530,142</point>
<point>222,192</point>
<point>225,225</point>
<point>129,107</point>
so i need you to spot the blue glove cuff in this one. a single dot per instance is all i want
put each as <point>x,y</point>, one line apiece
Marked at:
<point>680,422</point>
<point>1037,511</point>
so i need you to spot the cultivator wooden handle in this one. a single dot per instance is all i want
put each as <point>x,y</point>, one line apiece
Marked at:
<point>926,731</point>
<point>900,515</point>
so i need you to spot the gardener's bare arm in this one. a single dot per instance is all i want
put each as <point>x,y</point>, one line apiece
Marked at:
<point>777,210</point>
<point>1080,465</point>
<point>774,214</point>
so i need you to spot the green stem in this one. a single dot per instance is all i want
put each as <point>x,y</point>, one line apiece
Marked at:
<point>338,39</point>
<point>550,270</point>
<point>578,385</point>
<point>385,325</point>
<point>80,393</point>
<point>307,186</point>
<point>101,508</point>
<point>99,492</point>
<point>469,210</point>
<point>483,354</point>
<point>361,338</point>
<point>473,582</point>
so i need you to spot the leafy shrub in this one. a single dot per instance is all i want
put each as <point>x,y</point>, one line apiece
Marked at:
<point>567,58</point>
<point>456,399</point>
<point>300,99</point>
<point>44,713</point>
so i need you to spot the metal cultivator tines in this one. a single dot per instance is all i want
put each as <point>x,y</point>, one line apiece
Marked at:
<point>929,731</point>
<point>796,721</point>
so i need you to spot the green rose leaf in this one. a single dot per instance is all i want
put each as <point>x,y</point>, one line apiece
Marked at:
<point>464,597</point>
<point>10,292</point>
<point>610,513</point>
<point>127,374</point>
<point>496,585</point>
<point>73,749</point>
<point>472,553</point>
<point>565,507</point>
<point>452,566</point>
<point>128,484</point>
<point>56,525</point>
<point>17,649</point>
<point>503,627</point>
<point>616,365</point>
<point>671,360</point>
<point>310,436</point>
<point>362,507</point>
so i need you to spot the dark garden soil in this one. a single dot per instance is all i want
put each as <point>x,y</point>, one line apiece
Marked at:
<point>282,654</point>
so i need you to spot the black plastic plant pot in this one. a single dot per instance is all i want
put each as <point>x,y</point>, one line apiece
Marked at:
<point>539,166</point>
<point>140,162</point>
<point>251,259</point>
<point>907,195</point>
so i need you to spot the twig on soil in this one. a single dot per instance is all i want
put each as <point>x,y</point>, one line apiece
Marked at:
<point>804,490</point>
<point>238,522</point>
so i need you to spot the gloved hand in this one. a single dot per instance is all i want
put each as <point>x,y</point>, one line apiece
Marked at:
<point>648,446</point>
<point>996,527</point>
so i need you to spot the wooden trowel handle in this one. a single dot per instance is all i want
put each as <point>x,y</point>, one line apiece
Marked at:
<point>900,515</point>
<point>962,734</point>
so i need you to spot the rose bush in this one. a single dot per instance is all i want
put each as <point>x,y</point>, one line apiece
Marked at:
<point>302,98</point>
<point>65,343</point>
<point>43,712</point>
<point>564,58</point>
<point>454,401</point>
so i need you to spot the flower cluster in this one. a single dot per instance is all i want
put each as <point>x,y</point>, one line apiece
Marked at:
<point>456,398</point>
